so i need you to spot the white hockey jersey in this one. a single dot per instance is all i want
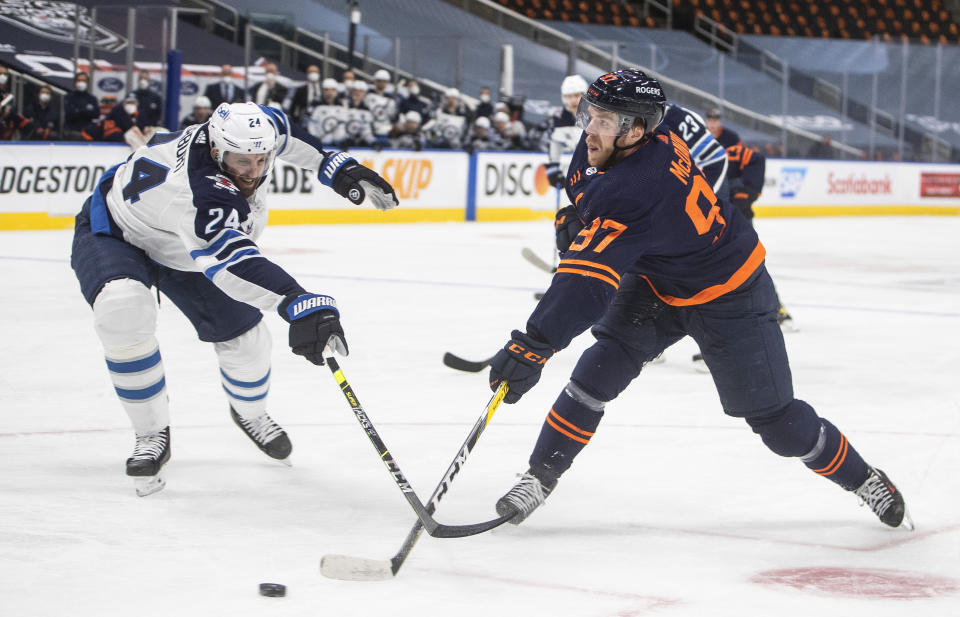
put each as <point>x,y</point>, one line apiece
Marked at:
<point>171,200</point>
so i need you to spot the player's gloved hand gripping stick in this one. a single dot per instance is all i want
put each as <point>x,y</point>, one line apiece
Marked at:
<point>314,326</point>
<point>350,179</point>
<point>519,363</point>
<point>424,513</point>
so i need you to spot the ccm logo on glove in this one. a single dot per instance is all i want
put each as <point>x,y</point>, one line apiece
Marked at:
<point>527,355</point>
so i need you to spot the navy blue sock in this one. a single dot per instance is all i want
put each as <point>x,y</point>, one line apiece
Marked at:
<point>566,430</point>
<point>836,460</point>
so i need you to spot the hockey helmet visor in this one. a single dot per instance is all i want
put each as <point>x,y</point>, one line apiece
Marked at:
<point>597,119</point>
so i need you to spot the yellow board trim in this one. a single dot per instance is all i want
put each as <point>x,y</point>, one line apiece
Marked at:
<point>21,221</point>
<point>491,215</point>
<point>365,215</point>
<point>30,221</point>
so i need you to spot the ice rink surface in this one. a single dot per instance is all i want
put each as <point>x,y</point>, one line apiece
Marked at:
<point>673,509</point>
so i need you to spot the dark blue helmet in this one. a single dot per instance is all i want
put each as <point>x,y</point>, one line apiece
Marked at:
<point>630,93</point>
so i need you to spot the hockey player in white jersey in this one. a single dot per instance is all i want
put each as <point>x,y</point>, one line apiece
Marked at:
<point>562,132</point>
<point>183,214</point>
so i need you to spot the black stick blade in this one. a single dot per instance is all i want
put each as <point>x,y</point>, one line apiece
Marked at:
<point>468,366</point>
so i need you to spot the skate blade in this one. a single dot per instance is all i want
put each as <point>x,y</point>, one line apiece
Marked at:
<point>285,461</point>
<point>789,326</point>
<point>907,522</point>
<point>701,367</point>
<point>658,360</point>
<point>148,485</point>
<point>346,568</point>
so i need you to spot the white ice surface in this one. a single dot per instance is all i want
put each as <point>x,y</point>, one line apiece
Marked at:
<point>673,509</point>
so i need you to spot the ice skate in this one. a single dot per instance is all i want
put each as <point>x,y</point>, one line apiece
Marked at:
<point>785,320</point>
<point>150,454</point>
<point>885,500</point>
<point>267,434</point>
<point>699,365</point>
<point>525,497</point>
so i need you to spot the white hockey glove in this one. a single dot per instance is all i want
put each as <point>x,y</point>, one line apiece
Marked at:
<point>350,179</point>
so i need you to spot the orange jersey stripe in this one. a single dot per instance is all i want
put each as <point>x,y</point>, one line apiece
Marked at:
<point>605,279</point>
<point>565,432</point>
<point>715,291</point>
<point>571,425</point>
<point>592,264</point>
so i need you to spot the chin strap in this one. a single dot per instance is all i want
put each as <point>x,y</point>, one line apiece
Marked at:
<point>617,149</point>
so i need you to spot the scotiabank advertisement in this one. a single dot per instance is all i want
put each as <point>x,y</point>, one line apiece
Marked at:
<point>851,185</point>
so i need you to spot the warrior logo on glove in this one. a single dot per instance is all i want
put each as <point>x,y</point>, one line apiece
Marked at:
<point>350,179</point>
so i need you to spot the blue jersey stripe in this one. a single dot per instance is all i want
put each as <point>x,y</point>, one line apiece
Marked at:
<point>279,120</point>
<point>228,234</point>
<point>234,246</point>
<point>211,271</point>
<point>99,218</point>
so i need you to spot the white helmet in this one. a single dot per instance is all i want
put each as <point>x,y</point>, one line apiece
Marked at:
<point>242,128</point>
<point>573,84</point>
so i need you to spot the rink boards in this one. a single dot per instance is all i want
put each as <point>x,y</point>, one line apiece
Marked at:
<point>43,185</point>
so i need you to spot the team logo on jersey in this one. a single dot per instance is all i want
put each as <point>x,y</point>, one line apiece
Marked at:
<point>590,171</point>
<point>223,183</point>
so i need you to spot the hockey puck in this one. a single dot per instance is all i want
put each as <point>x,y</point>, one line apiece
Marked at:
<point>273,590</point>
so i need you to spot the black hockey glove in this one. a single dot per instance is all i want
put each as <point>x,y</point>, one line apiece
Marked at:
<point>314,326</point>
<point>568,225</point>
<point>519,363</point>
<point>743,200</point>
<point>554,175</point>
<point>350,179</point>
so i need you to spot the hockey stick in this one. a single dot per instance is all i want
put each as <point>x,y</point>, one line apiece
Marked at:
<point>535,260</point>
<point>461,364</point>
<point>345,567</point>
<point>433,528</point>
